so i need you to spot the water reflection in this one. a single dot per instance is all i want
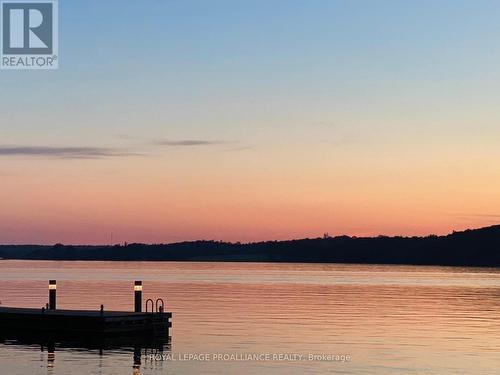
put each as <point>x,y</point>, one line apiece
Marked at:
<point>135,347</point>
<point>390,319</point>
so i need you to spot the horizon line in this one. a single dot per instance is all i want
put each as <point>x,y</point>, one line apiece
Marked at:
<point>324,237</point>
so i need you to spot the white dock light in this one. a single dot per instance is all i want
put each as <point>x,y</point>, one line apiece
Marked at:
<point>138,296</point>
<point>52,294</point>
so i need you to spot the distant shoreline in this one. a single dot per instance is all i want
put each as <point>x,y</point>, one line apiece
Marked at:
<point>251,261</point>
<point>470,248</point>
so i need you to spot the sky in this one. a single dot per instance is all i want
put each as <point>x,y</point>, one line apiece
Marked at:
<point>254,120</point>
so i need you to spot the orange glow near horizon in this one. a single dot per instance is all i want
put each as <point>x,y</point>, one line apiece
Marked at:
<point>152,200</point>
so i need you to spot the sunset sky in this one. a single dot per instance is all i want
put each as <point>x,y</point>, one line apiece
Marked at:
<point>254,120</point>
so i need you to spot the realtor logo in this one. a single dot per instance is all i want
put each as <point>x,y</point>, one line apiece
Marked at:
<point>29,34</point>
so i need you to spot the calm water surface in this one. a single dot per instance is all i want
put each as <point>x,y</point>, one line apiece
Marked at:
<point>388,319</point>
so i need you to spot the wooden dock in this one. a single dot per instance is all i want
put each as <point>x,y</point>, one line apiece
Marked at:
<point>53,321</point>
<point>84,321</point>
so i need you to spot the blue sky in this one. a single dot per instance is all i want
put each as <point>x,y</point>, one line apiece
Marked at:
<point>213,58</point>
<point>323,108</point>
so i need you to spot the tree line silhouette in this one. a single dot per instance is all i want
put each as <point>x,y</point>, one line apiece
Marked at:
<point>478,247</point>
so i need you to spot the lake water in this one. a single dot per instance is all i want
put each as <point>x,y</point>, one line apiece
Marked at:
<point>377,319</point>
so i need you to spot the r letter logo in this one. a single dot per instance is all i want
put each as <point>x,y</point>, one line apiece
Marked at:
<point>29,34</point>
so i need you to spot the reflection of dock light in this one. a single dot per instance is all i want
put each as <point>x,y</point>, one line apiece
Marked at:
<point>52,294</point>
<point>51,357</point>
<point>138,296</point>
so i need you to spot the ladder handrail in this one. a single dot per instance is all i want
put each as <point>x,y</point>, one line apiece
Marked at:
<point>152,304</point>
<point>162,306</point>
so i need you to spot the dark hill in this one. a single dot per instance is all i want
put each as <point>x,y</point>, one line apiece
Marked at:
<point>478,247</point>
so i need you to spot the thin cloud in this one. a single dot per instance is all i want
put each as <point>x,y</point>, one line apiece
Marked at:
<point>171,142</point>
<point>242,148</point>
<point>64,152</point>
<point>188,142</point>
<point>83,152</point>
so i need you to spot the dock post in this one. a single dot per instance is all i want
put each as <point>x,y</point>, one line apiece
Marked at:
<point>52,294</point>
<point>138,296</point>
